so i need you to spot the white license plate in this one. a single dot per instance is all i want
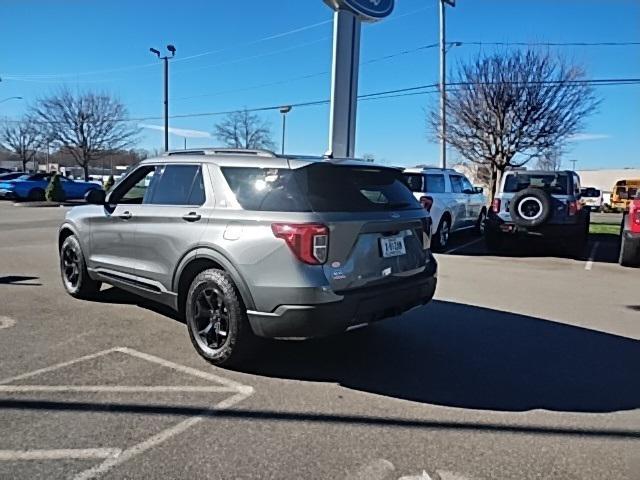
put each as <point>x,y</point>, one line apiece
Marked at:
<point>392,246</point>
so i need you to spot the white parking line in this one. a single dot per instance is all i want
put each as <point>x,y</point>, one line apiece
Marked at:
<point>6,322</point>
<point>592,255</point>
<point>115,456</point>
<point>460,247</point>
<point>60,454</point>
<point>113,389</point>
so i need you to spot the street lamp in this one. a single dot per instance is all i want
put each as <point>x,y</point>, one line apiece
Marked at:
<point>165,59</point>
<point>10,98</point>
<point>284,110</point>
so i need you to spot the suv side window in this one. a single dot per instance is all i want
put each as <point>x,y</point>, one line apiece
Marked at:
<point>466,185</point>
<point>133,189</point>
<point>456,183</point>
<point>434,183</point>
<point>177,185</point>
<point>576,185</point>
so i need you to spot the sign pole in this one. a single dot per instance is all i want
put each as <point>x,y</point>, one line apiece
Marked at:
<point>344,83</point>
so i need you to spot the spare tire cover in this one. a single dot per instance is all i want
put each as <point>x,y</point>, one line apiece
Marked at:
<point>530,207</point>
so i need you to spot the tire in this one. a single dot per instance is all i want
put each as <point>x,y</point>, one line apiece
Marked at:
<point>214,307</point>
<point>73,271</point>
<point>530,207</point>
<point>629,255</point>
<point>480,223</point>
<point>441,238</point>
<point>36,195</point>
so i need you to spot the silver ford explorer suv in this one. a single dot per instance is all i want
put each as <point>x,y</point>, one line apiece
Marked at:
<point>247,243</point>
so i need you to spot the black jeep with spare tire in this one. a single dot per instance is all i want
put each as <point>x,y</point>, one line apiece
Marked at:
<point>536,204</point>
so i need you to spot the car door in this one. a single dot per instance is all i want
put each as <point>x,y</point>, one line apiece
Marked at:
<point>461,217</point>
<point>474,202</point>
<point>113,245</point>
<point>170,222</point>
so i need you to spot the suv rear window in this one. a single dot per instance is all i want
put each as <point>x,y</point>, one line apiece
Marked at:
<point>320,188</point>
<point>590,192</point>
<point>557,183</point>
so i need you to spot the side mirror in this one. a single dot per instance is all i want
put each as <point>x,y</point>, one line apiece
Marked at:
<point>478,190</point>
<point>466,191</point>
<point>95,197</point>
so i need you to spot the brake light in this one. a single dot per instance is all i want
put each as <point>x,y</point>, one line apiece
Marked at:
<point>427,203</point>
<point>634,215</point>
<point>574,207</point>
<point>495,205</point>
<point>308,241</point>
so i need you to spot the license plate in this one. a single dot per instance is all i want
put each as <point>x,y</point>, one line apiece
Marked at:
<point>392,246</point>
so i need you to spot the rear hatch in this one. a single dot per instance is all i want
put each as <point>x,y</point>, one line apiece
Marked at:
<point>376,226</point>
<point>556,184</point>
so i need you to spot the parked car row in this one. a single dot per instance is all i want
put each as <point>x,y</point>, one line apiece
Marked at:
<point>21,186</point>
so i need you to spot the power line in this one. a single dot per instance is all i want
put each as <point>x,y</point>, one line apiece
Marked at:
<point>399,92</point>
<point>554,44</point>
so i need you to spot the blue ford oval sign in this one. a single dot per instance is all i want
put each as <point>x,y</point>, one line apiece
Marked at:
<point>370,10</point>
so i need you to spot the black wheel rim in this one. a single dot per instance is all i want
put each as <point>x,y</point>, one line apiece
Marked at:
<point>210,318</point>
<point>71,267</point>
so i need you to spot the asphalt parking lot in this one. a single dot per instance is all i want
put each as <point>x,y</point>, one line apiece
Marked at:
<point>525,366</point>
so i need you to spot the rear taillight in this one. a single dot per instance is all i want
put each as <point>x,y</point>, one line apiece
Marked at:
<point>427,203</point>
<point>574,207</point>
<point>495,205</point>
<point>634,216</point>
<point>308,241</point>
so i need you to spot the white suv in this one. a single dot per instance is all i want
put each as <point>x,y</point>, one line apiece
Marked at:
<point>453,202</point>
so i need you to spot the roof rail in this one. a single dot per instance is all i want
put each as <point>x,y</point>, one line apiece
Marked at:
<point>224,151</point>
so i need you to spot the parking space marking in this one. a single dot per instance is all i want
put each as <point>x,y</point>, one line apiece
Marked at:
<point>60,454</point>
<point>6,322</point>
<point>592,255</point>
<point>112,389</point>
<point>465,245</point>
<point>115,456</point>
<point>57,366</point>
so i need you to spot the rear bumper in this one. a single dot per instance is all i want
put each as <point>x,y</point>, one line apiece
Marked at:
<point>364,305</point>
<point>497,226</point>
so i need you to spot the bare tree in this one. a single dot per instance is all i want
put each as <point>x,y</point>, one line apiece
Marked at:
<point>244,129</point>
<point>550,160</point>
<point>506,109</point>
<point>86,125</point>
<point>22,139</point>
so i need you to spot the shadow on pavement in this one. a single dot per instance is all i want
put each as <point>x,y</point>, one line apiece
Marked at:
<point>116,295</point>
<point>470,357</point>
<point>607,250</point>
<point>17,280</point>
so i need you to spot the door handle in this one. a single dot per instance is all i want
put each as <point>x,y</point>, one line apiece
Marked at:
<point>125,215</point>
<point>192,217</point>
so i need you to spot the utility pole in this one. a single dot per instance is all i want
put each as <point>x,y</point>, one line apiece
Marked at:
<point>165,59</point>
<point>284,110</point>
<point>443,88</point>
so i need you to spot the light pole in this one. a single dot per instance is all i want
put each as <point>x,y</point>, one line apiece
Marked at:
<point>443,88</point>
<point>284,110</point>
<point>574,163</point>
<point>166,58</point>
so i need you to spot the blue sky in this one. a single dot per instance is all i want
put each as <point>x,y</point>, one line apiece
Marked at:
<point>47,43</point>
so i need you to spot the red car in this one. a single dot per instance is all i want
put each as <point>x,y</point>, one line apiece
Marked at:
<point>630,241</point>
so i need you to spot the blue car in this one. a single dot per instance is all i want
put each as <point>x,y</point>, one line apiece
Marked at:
<point>32,187</point>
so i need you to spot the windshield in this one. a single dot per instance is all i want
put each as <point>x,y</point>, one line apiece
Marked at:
<point>557,183</point>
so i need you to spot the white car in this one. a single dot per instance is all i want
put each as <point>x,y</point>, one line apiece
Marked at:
<point>592,198</point>
<point>454,203</point>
